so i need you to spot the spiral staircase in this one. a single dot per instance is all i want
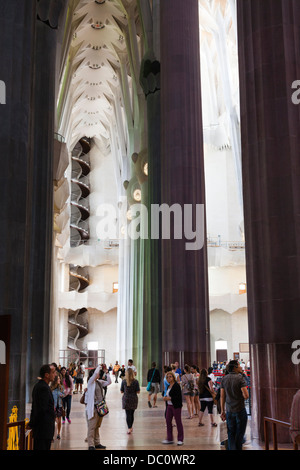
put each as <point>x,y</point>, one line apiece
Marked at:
<point>77,330</point>
<point>78,320</point>
<point>80,191</point>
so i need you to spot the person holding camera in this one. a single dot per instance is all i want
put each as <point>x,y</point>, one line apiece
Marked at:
<point>95,395</point>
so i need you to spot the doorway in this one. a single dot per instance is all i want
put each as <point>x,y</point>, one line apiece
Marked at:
<point>221,355</point>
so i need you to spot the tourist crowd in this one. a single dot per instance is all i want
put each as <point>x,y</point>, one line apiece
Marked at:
<point>220,390</point>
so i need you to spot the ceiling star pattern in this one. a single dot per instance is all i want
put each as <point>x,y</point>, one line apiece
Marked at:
<point>96,48</point>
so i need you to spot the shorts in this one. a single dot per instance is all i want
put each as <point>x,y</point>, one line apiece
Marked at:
<point>79,381</point>
<point>209,404</point>
<point>59,412</point>
<point>189,394</point>
<point>155,388</point>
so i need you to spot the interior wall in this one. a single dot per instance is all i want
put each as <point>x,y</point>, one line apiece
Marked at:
<point>226,279</point>
<point>240,331</point>
<point>103,327</point>
<point>54,336</point>
<point>102,278</point>
<point>103,186</point>
<point>222,204</point>
<point>232,328</point>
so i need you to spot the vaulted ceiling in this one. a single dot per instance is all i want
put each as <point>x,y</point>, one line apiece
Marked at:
<point>94,57</point>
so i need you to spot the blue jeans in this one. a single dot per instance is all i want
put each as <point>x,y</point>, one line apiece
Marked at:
<point>236,428</point>
<point>67,405</point>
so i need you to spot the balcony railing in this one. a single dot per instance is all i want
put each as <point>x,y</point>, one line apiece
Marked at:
<point>229,245</point>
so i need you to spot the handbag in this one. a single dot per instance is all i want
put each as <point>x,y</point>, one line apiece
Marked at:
<point>82,399</point>
<point>150,383</point>
<point>102,408</point>
<point>222,434</point>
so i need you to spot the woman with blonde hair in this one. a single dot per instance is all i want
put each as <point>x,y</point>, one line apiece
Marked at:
<point>58,394</point>
<point>130,389</point>
<point>173,399</point>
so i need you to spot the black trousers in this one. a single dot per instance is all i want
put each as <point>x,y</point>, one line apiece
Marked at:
<point>129,418</point>
<point>67,405</point>
<point>42,444</point>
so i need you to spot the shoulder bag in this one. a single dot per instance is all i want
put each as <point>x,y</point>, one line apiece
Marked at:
<point>101,407</point>
<point>82,399</point>
<point>150,383</point>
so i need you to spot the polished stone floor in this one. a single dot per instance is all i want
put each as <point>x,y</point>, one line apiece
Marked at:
<point>149,428</point>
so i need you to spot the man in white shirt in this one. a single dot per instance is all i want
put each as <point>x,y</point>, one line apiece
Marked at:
<point>131,366</point>
<point>211,375</point>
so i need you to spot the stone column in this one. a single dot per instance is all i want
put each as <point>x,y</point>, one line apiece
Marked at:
<point>269,38</point>
<point>17,36</point>
<point>152,330</point>
<point>40,193</point>
<point>185,311</point>
<point>28,33</point>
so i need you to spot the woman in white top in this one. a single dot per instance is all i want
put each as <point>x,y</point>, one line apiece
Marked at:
<point>177,376</point>
<point>95,394</point>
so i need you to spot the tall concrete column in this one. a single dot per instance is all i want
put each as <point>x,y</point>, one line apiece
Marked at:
<point>17,36</point>
<point>152,330</point>
<point>269,38</point>
<point>28,33</point>
<point>185,311</point>
<point>48,28</point>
